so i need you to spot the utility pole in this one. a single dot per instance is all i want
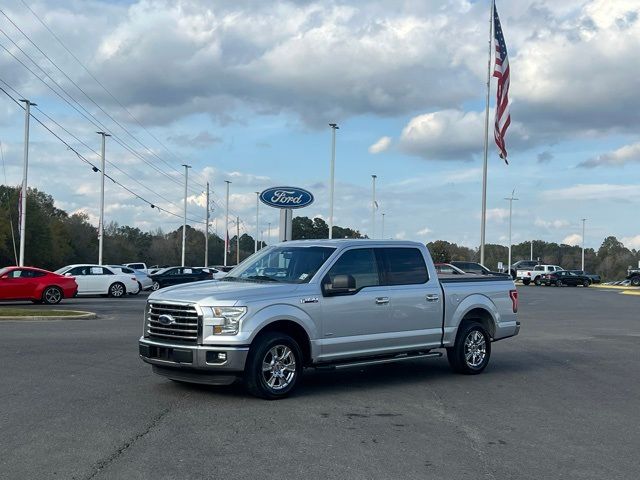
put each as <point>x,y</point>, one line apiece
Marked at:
<point>237,240</point>
<point>257,221</point>
<point>531,254</point>
<point>104,135</point>
<point>373,206</point>
<point>184,224</point>
<point>334,127</point>
<point>382,235</point>
<point>510,199</point>
<point>583,221</point>
<point>25,169</point>
<point>206,231</point>
<point>269,233</point>
<point>226,225</point>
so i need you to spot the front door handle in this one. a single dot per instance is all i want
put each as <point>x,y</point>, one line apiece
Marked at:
<point>382,300</point>
<point>433,298</point>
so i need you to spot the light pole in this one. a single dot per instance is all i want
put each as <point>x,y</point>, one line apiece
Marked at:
<point>583,222</point>
<point>531,254</point>
<point>226,225</point>
<point>206,231</point>
<point>373,206</point>
<point>25,169</point>
<point>184,223</point>
<point>257,220</point>
<point>101,224</point>
<point>382,235</point>
<point>334,127</point>
<point>269,233</point>
<point>510,199</point>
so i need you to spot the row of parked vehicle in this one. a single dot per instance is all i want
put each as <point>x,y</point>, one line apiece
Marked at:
<point>43,286</point>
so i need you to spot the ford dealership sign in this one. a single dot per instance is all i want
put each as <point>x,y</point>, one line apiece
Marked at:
<point>286,197</point>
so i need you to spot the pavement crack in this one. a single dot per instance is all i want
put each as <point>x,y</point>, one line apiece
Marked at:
<point>105,462</point>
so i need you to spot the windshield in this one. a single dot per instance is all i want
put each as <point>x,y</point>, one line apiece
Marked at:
<point>282,264</point>
<point>4,270</point>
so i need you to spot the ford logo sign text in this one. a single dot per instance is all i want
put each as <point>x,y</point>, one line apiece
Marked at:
<point>286,197</point>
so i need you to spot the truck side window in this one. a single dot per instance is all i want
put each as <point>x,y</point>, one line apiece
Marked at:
<point>361,264</point>
<point>404,266</point>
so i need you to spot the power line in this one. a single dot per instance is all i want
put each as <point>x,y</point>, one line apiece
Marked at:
<point>86,94</point>
<point>96,122</point>
<point>93,166</point>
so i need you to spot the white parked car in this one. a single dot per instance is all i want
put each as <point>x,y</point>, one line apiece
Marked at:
<point>144,280</point>
<point>137,266</point>
<point>101,280</point>
<point>216,274</point>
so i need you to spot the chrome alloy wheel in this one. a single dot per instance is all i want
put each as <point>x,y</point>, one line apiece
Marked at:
<point>279,367</point>
<point>117,290</point>
<point>475,349</point>
<point>52,295</point>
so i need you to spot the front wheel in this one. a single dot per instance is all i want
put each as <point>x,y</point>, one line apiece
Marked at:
<point>472,350</point>
<point>635,281</point>
<point>155,286</point>
<point>558,283</point>
<point>274,366</point>
<point>537,281</point>
<point>51,295</point>
<point>117,290</point>
<point>586,283</point>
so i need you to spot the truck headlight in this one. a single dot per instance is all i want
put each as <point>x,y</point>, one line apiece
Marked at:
<point>225,320</point>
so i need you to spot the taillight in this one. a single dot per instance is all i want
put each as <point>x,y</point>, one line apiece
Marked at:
<point>513,294</point>
<point>528,274</point>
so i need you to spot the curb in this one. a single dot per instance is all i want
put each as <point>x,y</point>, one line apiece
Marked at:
<point>79,315</point>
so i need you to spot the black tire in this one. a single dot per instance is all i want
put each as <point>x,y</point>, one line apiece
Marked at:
<point>558,283</point>
<point>117,290</point>
<point>156,286</point>
<point>537,281</point>
<point>457,354</point>
<point>635,281</point>
<point>255,378</point>
<point>586,283</point>
<point>526,281</point>
<point>51,295</point>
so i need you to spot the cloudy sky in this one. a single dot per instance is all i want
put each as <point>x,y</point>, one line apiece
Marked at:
<point>244,90</point>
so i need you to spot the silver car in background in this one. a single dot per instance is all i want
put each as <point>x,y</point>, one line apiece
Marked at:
<point>144,280</point>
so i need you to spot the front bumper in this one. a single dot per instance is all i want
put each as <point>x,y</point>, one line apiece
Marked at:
<point>217,365</point>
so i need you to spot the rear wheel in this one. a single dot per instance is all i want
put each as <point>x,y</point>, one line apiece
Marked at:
<point>274,366</point>
<point>635,281</point>
<point>117,290</point>
<point>537,281</point>
<point>558,283</point>
<point>526,281</point>
<point>472,350</point>
<point>51,295</point>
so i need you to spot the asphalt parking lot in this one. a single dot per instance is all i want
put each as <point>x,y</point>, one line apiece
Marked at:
<point>558,401</point>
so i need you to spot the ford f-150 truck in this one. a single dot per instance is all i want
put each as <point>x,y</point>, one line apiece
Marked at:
<point>324,304</point>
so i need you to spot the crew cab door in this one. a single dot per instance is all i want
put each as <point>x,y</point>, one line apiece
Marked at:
<point>353,322</point>
<point>415,300</point>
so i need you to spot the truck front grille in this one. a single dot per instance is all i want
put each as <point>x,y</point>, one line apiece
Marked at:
<point>179,322</point>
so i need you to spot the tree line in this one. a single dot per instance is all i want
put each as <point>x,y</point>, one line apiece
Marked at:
<point>55,238</point>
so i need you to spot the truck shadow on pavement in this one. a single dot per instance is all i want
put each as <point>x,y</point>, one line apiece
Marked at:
<point>379,377</point>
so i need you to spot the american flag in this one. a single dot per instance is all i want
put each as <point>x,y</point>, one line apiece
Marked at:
<point>501,72</point>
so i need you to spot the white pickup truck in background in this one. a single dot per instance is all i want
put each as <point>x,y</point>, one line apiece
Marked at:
<point>535,275</point>
<point>324,304</point>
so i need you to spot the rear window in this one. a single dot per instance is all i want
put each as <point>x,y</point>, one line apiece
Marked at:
<point>404,266</point>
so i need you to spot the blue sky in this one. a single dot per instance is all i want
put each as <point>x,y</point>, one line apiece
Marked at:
<point>244,91</point>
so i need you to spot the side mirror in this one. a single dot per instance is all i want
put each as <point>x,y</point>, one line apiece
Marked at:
<point>341,285</point>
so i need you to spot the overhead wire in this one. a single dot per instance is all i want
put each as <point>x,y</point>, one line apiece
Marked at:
<point>91,99</point>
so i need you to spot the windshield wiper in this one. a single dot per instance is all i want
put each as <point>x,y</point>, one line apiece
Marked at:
<point>263,278</point>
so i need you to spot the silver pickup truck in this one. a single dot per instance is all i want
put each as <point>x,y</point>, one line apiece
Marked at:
<point>324,304</point>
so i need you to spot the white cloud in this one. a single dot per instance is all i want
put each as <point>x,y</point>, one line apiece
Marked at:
<point>498,215</point>
<point>602,191</point>
<point>631,242</point>
<point>424,232</point>
<point>401,235</point>
<point>551,223</point>
<point>616,158</point>
<point>573,239</point>
<point>381,145</point>
<point>463,176</point>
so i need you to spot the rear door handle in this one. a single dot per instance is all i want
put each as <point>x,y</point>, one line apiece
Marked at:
<point>433,298</point>
<point>382,300</point>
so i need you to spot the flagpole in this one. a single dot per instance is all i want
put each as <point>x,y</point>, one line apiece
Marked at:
<point>486,141</point>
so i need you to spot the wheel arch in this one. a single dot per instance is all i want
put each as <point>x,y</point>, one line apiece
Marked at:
<point>294,330</point>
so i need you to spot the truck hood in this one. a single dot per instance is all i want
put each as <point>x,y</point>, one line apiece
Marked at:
<point>211,291</point>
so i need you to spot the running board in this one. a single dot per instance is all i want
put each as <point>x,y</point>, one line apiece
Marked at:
<point>378,361</point>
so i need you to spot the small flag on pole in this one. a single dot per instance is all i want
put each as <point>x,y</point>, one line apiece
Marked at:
<point>501,72</point>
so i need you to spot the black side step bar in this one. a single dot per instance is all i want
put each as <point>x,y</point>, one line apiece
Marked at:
<point>377,361</point>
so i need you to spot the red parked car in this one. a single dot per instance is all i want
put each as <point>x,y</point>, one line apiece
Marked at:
<point>35,284</point>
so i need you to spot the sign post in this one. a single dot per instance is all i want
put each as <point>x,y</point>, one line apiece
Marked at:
<point>286,199</point>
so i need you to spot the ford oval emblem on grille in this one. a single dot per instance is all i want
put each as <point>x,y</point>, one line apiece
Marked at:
<point>166,320</point>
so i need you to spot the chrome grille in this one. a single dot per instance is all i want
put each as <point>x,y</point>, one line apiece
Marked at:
<point>184,328</point>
